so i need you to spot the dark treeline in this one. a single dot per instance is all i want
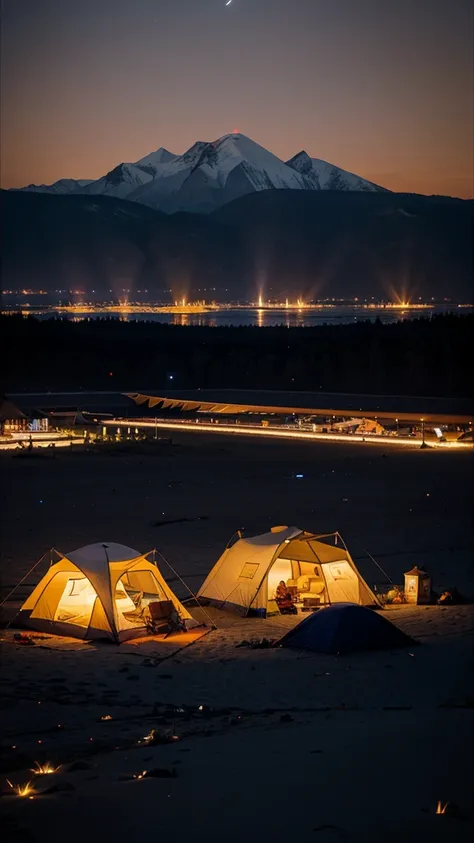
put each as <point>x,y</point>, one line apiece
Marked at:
<point>417,357</point>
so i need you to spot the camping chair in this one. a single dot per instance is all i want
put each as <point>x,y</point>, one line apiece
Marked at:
<point>161,616</point>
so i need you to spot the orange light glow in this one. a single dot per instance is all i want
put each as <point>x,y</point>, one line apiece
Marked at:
<point>23,789</point>
<point>44,769</point>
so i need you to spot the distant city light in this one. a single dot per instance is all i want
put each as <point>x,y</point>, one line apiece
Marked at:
<point>81,306</point>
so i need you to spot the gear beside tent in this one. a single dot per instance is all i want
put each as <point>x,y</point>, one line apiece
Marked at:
<point>316,569</point>
<point>101,591</point>
<point>345,628</point>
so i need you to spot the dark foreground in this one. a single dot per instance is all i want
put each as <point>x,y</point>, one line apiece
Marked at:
<point>420,357</point>
<point>355,749</point>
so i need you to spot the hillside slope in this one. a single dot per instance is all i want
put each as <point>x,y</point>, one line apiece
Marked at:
<point>281,243</point>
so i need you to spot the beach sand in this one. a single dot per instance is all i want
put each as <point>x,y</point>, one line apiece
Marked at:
<point>271,744</point>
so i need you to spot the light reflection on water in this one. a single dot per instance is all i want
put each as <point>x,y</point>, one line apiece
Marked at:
<point>262,317</point>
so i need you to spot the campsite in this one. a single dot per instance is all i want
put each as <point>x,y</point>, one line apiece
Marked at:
<point>143,735</point>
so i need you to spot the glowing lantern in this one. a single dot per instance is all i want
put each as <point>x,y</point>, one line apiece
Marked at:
<point>417,586</point>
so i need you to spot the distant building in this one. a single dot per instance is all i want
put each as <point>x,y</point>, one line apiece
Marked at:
<point>12,420</point>
<point>10,416</point>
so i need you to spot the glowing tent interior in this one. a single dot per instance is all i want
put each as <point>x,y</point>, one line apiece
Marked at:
<point>101,591</point>
<point>316,570</point>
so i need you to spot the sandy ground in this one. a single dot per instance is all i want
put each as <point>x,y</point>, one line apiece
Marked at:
<point>271,743</point>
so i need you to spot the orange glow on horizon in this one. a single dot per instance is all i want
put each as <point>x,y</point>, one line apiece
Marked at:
<point>404,125</point>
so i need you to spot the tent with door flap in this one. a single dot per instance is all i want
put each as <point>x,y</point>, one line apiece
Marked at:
<point>317,570</point>
<point>101,591</point>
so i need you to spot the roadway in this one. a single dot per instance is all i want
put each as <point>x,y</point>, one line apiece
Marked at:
<point>280,432</point>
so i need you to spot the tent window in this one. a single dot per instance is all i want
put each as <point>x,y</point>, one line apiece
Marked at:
<point>249,570</point>
<point>76,602</point>
<point>78,586</point>
<point>339,571</point>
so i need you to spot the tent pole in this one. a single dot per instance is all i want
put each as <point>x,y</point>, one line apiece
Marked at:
<point>311,536</point>
<point>326,586</point>
<point>113,629</point>
<point>185,585</point>
<point>274,558</point>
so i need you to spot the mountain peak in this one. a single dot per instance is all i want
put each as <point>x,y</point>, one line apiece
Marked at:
<point>152,161</point>
<point>211,173</point>
<point>301,162</point>
<point>321,175</point>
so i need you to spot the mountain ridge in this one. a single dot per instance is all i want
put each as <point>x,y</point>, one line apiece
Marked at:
<point>210,174</point>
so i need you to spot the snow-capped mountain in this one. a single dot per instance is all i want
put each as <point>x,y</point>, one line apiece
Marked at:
<point>154,159</point>
<point>121,181</point>
<point>62,186</point>
<point>211,174</point>
<point>325,176</point>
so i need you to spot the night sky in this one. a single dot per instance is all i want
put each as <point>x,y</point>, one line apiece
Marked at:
<point>383,88</point>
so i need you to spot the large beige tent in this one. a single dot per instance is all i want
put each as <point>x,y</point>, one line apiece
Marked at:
<point>99,591</point>
<point>317,570</point>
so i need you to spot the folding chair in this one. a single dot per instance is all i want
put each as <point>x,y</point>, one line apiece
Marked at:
<point>161,616</point>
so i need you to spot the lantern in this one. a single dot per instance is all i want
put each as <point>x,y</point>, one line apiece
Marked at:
<point>417,586</point>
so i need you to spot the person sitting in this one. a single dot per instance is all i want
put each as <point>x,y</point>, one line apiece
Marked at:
<point>284,600</point>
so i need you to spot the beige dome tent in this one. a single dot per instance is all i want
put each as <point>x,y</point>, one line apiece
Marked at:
<point>317,570</point>
<point>99,591</point>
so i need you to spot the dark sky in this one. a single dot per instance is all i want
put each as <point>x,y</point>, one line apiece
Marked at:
<point>383,88</point>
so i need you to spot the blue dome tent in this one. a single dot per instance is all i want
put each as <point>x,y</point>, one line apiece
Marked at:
<point>345,628</point>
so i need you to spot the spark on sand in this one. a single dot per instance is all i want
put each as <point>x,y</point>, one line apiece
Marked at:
<point>44,769</point>
<point>22,789</point>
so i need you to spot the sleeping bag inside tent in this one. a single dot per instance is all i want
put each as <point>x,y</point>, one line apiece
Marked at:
<point>313,569</point>
<point>101,591</point>
<point>345,628</point>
